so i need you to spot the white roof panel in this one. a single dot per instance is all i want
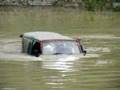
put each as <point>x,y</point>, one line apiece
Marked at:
<point>46,36</point>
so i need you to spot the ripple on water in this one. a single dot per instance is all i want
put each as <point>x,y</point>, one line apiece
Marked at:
<point>99,37</point>
<point>98,49</point>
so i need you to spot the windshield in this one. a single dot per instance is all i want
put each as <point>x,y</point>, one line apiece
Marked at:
<point>60,47</point>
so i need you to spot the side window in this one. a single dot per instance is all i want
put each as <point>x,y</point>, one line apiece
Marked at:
<point>29,49</point>
<point>26,42</point>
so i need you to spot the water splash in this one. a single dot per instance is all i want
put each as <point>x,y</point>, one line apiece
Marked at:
<point>10,49</point>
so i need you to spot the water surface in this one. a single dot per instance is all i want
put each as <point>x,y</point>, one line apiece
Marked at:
<point>98,70</point>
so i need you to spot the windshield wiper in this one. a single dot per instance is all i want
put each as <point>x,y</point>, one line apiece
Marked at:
<point>63,53</point>
<point>58,53</point>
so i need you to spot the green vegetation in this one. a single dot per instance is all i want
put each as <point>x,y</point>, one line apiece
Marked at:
<point>60,20</point>
<point>90,5</point>
<point>93,5</point>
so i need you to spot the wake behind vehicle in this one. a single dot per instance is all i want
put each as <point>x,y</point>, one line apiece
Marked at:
<point>50,43</point>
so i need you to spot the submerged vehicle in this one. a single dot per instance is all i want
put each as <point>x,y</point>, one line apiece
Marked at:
<point>50,43</point>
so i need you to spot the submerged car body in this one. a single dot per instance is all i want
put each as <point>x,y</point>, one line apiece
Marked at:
<point>50,43</point>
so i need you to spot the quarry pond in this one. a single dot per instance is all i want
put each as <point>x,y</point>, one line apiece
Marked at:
<point>98,70</point>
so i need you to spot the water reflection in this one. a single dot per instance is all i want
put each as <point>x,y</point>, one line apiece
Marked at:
<point>54,81</point>
<point>48,74</point>
<point>63,63</point>
<point>56,70</point>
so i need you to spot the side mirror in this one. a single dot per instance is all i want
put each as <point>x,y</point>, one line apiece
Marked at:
<point>84,52</point>
<point>81,47</point>
<point>21,36</point>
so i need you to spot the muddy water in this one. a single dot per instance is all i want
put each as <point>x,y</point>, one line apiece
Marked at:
<point>98,70</point>
<point>11,49</point>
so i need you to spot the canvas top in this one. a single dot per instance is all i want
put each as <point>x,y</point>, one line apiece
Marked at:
<point>46,36</point>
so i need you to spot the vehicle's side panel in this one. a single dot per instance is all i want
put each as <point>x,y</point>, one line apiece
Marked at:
<point>26,42</point>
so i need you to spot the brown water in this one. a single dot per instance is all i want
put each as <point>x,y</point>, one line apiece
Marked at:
<point>91,72</point>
